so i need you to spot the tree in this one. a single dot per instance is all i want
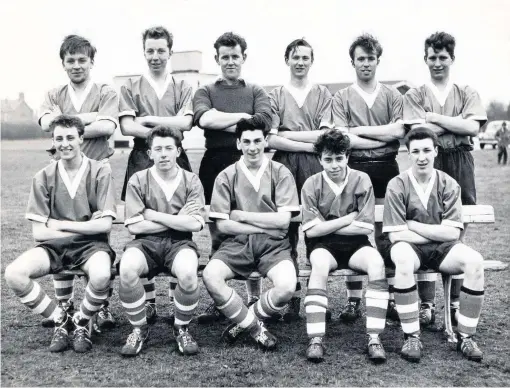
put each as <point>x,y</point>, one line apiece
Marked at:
<point>497,111</point>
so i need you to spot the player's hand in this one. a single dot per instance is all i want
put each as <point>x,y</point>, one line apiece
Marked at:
<point>279,234</point>
<point>431,117</point>
<point>317,213</point>
<point>96,215</point>
<point>189,208</point>
<point>149,214</point>
<point>53,224</point>
<point>237,215</point>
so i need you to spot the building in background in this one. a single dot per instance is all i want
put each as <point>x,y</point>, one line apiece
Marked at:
<point>17,110</point>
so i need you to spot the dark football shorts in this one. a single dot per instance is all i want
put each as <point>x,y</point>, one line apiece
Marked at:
<point>430,255</point>
<point>244,254</point>
<point>215,160</point>
<point>70,253</point>
<point>160,252</point>
<point>341,248</point>
<point>380,171</point>
<point>459,164</point>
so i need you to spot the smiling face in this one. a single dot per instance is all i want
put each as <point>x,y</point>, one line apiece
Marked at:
<point>77,66</point>
<point>335,165</point>
<point>438,63</point>
<point>157,54</point>
<point>300,61</point>
<point>67,142</point>
<point>365,63</point>
<point>230,60</point>
<point>422,154</point>
<point>252,144</point>
<point>164,153</point>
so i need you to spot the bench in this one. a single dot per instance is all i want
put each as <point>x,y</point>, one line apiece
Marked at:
<point>472,214</point>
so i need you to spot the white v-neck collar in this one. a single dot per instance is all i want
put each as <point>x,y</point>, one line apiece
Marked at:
<point>254,179</point>
<point>337,189</point>
<point>440,96</point>
<point>159,90</point>
<point>299,95</point>
<point>423,195</point>
<point>72,187</point>
<point>78,102</point>
<point>167,187</point>
<point>369,98</point>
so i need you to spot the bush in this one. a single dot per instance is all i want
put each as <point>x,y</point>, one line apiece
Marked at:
<point>15,130</point>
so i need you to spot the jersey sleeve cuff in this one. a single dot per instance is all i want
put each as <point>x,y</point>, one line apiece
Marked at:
<point>36,217</point>
<point>273,131</point>
<point>292,209</point>
<point>394,228</point>
<point>365,225</point>
<point>455,224</point>
<point>127,113</point>
<point>414,121</point>
<point>109,213</point>
<point>134,220</point>
<point>115,121</point>
<point>220,216</point>
<point>327,124</point>
<point>476,118</point>
<point>310,224</point>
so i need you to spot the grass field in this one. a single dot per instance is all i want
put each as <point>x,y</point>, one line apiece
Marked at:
<point>26,361</point>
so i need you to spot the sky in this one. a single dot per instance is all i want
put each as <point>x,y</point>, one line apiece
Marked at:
<point>31,33</point>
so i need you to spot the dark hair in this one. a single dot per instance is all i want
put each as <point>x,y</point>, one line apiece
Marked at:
<point>250,125</point>
<point>368,43</point>
<point>68,121</point>
<point>294,45</point>
<point>73,44</point>
<point>158,32</point>
<point>440,40</point>
<point>421,133</point>
<point>333,141</point>
<point>229,39</point>
<point>164,131</point>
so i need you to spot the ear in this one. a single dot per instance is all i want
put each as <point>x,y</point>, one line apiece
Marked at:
<point>217,59</point>
<point>170,53</point>
<point>179,150</point>
<point>238,143</point>
<point>453,58</point>
<point>150,154</point>
<point>80,139</point>
<point>378,61</point>
<point>245,55</point>
<point>352,63</point>
<point>425,58</point>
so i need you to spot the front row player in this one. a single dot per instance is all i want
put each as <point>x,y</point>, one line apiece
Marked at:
<point>252,202</point>
<point>164,205</point>
<point>422,222</point>
<point>338,215</point>
<point>71,206</point>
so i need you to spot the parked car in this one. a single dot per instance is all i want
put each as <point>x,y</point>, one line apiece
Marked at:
<point>489,135</point>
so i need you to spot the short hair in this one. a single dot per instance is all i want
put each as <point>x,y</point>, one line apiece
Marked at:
<point>368,43</point>
<point>68,121</point>
<point>251,125</point>
<point>73,44</point>
<point>229,39</point>
<point>333,141</point>
<point>158,32</point>
<point>294,45</point>
<point>421,133</point>
<point>164,131</point>
<point>440,40</point>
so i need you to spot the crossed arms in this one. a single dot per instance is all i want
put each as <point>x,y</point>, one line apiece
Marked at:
<point>93,127</point>
<point>241,222</point>
<point>420,233</point>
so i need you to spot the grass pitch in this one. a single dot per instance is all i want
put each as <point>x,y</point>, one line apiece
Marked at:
<point>27,362</point>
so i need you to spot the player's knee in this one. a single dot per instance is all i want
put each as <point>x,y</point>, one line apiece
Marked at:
<point>188,280</point>
<point>473,265</point>
<point>100,278</point>
<point>128,273</point>
<point>404,265</point>
<point>211,277</point>
<point>15,275</point>
<point>376,269</point>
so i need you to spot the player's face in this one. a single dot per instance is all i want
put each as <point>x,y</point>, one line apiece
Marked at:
<point>157,54</point>
<point>252,144</point>
<point>77,67</point>
<point>164,153</point>
<point>422,153</point>
<point>231,61</point>
<point>67,142</point>
<point>439,63</point>
<point>365,63</point>
<point>300,60</point>
<point>335,165</point>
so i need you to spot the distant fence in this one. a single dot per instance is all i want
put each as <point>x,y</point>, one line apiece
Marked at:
<point>19,130</point>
